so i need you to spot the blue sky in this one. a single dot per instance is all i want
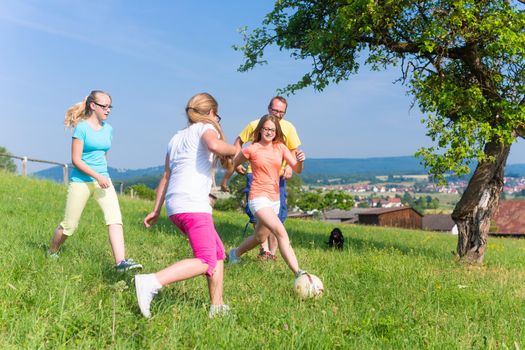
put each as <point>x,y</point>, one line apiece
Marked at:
<point>153,56</point>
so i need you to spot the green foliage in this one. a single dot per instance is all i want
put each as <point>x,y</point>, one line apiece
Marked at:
<point>310,200</point>
<point>387,289</point>
<point>6,163</point>
<point>227,204</point>
<point>237,200</point>
<point>293,189</point>
<point>462,60</point>
<point>317,199</point>
<point>420,203</point>
<point>141,191</point>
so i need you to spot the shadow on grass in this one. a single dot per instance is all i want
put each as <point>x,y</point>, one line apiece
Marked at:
<point>232,235</point>
<point>235,231</point>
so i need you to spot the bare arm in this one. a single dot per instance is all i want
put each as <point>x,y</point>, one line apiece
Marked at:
<point>216,145</point>
<point>239,168</point>
<point>152,217</point>
<point>295,159</point>
<point>239,160</point>
<point>77,146</point>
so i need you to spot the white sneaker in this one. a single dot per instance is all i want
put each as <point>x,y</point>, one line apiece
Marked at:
<point>146,288</point>
<point>232,258</point>
<point>218,310</point>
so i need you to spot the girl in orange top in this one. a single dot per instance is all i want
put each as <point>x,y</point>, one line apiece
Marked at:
<point>266,154</point>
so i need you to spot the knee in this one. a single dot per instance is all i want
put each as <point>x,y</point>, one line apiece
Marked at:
<point>68,228</point>
<point>261,237</point>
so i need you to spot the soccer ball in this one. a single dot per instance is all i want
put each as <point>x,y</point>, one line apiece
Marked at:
<point>308,286</point>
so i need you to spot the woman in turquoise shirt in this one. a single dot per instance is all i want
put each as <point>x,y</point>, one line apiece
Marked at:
<point>90,178</point>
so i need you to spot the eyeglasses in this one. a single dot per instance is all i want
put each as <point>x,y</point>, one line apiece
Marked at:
<point>218,118</point>
<point>105,107</point>
<point>268,130</point>
<point>276,111</point>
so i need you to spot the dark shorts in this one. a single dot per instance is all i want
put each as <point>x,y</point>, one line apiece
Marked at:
<point>283,210</point>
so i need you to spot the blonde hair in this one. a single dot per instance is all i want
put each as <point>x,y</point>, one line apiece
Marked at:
<point>198,111</point>
<point>81,110</point>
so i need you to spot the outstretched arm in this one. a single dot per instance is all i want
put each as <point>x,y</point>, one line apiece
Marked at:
<point>239,160</point>
<point>152,217</point>
<point>216,145</point>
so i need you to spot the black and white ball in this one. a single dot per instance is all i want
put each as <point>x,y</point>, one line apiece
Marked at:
<point>308,286</point>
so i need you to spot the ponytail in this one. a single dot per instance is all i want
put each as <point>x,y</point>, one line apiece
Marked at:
<point>81,110</point>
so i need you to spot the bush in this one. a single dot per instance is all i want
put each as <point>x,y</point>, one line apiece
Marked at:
<point>141,191</point>
<point>6,163</point>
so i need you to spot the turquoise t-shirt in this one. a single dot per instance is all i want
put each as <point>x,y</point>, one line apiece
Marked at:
<point>96,144</point>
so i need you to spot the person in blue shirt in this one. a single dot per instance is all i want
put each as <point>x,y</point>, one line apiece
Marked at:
<point>91,141</point>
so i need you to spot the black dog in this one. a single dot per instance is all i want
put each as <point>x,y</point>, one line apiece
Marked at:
<point>336,239</point>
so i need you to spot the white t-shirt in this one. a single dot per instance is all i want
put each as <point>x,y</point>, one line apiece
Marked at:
<point>191,171</point>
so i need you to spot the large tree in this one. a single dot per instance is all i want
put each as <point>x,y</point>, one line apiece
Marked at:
<point>461,60</point>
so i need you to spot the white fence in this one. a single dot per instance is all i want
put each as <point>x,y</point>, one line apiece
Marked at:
<point>65,168</point>
<point>27,159</point>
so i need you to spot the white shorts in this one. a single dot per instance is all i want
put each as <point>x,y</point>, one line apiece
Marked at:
<point>264,202</point>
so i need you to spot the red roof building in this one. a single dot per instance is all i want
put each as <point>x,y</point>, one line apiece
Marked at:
<point>509,218</point>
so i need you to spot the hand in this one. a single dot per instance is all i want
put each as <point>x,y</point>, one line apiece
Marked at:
<point>240,169</point>
<point>287,172</point>
<point>151,219</point>
<point>299,155</point>
<point>103,181</point>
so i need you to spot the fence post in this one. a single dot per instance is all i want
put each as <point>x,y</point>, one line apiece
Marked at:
<point>66,175</point>
<point>24,166</point>
<point>121,188</point>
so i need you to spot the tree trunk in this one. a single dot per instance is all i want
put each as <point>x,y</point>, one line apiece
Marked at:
<point>481,198</point>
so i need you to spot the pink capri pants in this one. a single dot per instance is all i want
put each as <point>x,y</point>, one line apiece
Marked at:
<point>204,240</point>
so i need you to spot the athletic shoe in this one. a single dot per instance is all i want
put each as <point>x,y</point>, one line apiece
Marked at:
<point>146,290</point>
<point>52,255</point>
<point>218,310</point>
<point>232,258</point>
<point>264,255</point>
<point>300,273</point>
<point>126,265</point>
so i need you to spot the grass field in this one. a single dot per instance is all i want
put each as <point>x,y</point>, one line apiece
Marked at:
<point>388,288</point>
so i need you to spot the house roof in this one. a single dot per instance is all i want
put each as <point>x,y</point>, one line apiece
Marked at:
<point>510,217</point>
<point>379,211</point>
<point>438,222</point>
<point>343,214</point>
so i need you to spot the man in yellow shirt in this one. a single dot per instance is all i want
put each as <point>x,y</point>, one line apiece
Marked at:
<point>277,107</point>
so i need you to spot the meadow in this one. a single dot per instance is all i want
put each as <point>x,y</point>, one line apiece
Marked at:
<point>387,289</point>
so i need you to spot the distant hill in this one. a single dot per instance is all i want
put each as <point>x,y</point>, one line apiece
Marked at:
<point>314,169</point>
<point>334,167</point>
<point>118,175</point>
<point>515,170</point>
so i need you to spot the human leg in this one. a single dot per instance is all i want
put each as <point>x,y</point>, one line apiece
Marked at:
<point>116,240</point>
<point>57,240</point>
<point>268,218</point>
<point>216,284</point>
<point>224,182</point>
<point>283,214</point>
<point>78,194</point>
<point>108,201</point>
<point>260,235</point>
<point>181,270</point>
<point>147,286</point>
